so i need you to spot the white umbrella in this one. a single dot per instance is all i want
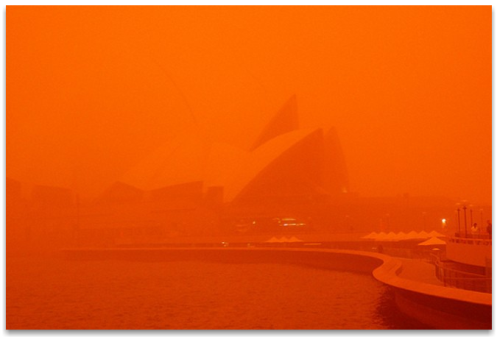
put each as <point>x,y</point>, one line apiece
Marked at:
<point>372,235</point>
<point>273,239</point>
<point>391,237</point>
<point>411,236</point>
<point>434,241</point>
<point>423,235</point>
<point>401,236</point>
<point>436,234</point>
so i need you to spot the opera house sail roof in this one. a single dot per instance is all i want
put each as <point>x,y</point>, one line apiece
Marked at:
<point>283,162</point>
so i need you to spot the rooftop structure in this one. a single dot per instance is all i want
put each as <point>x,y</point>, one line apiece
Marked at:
<point>285,162</point>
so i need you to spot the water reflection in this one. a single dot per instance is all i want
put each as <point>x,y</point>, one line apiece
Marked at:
<point>58,294</point>
<point>391,316</point>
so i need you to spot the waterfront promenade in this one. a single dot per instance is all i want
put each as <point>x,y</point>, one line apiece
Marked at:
<point>420,271</point>
<point>418,292</point>
<point>421,295</point>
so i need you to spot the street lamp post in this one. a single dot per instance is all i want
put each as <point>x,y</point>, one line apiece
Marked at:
<point>458,220</point>
<point>471,221</point>
<point>481,213</point>
<point>465,219</point>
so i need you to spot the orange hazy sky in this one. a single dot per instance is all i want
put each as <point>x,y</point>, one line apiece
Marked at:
<point>92,90</point>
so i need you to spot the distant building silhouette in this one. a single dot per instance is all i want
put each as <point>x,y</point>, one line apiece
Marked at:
<point>287,172</point>
<point>194,187</point>
<point>284,162</point>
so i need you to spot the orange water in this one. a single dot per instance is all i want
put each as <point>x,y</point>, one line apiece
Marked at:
<point>58,294</point>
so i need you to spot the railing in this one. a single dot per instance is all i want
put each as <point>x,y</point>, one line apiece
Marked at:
<point>471,240</point>
<point>463,280</point>
<point>469,235</point>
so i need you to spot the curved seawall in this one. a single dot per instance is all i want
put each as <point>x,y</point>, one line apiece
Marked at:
<point>436,306</point>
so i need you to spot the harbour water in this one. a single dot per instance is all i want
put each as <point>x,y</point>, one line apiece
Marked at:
<point>51,293</point>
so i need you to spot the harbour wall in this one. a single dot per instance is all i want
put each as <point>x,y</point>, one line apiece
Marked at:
<point>436,306</point>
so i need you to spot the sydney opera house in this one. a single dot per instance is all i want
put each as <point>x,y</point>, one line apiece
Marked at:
<point>192,185</point>
<point>290,180</point>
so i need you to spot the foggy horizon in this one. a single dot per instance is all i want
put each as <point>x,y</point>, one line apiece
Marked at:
<point>411,106</point>
<point>249,167</point>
